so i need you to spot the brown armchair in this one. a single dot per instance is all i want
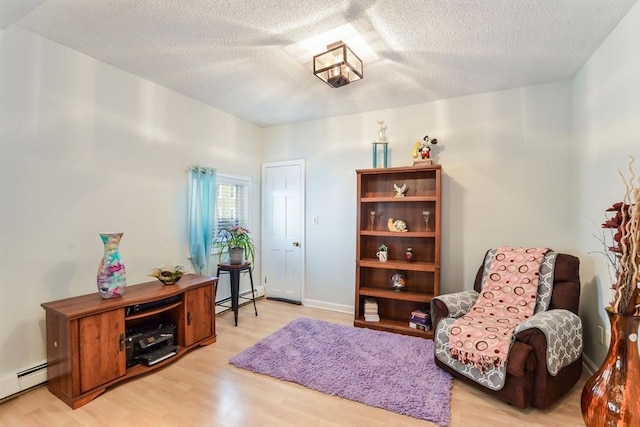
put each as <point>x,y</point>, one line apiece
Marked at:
<point>527,380</point>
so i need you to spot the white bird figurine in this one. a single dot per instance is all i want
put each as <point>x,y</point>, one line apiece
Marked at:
<point>397,225</point>
<point>400,190</point>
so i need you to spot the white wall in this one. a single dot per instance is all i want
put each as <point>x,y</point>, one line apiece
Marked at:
<point>606,131</point>
<point>509,178</point>
<point>87,148</point>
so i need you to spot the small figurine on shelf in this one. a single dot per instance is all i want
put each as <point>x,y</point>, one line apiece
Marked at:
<point>382,253</point>
<point>398,281</point>
<point>400,191</point>
<point>409,256</point>
<point>422,150</point>
<point>372,220</point>
<point>397,226</point>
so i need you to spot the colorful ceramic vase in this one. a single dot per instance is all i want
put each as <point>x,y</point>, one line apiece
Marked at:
<point>112,277</point>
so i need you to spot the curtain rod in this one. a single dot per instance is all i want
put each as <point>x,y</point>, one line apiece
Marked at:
<point>201,169</point>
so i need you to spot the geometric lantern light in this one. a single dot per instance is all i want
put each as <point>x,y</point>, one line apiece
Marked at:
<point>338,66</point>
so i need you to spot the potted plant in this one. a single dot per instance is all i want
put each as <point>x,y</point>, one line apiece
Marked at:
<point>610,395</point>
<point>236,240</point>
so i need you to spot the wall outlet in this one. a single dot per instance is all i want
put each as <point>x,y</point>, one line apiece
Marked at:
<point>601,334</point>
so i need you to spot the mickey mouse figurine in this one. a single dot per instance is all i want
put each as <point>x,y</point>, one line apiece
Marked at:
<point>423,149</point>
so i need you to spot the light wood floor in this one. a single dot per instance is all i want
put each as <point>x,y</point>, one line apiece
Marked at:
<point>202,389</point>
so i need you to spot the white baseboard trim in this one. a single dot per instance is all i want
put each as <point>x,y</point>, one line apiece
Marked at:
<point>23,380</point>
<point>9,386</point>
<point>340,308</point>
<point>588,364</point>
<point>245,297</point>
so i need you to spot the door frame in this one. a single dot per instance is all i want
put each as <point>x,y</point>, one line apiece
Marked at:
<point>303,250</point>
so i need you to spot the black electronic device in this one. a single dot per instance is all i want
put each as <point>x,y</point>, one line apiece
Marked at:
<point>158,355</point>
<point>146,306</point>
<point>148,342</point>
<point>140,308</point>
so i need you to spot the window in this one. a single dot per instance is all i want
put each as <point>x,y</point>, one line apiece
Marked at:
<point>232,205</point>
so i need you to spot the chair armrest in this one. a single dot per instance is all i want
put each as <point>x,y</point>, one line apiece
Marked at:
<point>521,359</point>
<point>452,305</point>
<point>555,335</point>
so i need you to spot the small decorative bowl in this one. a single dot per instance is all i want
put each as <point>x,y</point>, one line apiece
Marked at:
<point>169,275</point>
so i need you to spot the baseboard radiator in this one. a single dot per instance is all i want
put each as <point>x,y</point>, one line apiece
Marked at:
<point>23,381</point>
<point>224,305</point>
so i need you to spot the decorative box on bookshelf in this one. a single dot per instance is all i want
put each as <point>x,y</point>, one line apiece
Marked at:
<point>419,209</point>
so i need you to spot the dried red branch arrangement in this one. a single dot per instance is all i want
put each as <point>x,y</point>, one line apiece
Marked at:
<point>625,246</point>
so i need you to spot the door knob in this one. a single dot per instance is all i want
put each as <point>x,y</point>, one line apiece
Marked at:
<point>296,244</point>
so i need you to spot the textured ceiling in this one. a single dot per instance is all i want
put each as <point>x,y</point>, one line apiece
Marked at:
<point>244,56</point>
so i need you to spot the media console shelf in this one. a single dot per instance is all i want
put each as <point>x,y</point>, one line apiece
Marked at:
<point>86,335</point>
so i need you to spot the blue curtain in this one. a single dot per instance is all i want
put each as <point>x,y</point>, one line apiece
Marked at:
<point>202,208</point>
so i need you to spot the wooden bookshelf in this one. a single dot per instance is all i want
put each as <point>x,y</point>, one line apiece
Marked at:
<point>375,193</point>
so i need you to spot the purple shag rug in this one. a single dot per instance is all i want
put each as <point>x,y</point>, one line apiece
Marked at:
<point>390,371</point>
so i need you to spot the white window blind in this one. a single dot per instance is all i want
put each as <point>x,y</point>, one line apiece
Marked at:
<point>232,205</point>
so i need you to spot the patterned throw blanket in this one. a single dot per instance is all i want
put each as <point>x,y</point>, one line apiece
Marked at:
<point>483,336</point>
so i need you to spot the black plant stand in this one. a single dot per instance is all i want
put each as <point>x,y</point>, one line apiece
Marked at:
<point>234,278</point>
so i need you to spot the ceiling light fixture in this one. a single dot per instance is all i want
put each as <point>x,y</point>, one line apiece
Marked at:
<point>338,66</point>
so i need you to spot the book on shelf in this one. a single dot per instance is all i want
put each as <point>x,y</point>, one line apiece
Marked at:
<point>370,306</point>
<point>370,302</point>
<point>371,318</point>
<point>420,319</point>
<point>420,326</point>
<point>371,310</point>
<point>421,313</point>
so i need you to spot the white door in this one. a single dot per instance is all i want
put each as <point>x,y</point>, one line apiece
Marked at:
<point>283,230</point>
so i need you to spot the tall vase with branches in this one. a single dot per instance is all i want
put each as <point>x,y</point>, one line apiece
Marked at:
<point>610,396</point>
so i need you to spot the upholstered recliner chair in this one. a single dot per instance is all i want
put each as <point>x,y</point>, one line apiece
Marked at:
<point>545,357</point>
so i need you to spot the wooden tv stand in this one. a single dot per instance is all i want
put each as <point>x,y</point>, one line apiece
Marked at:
<point>86,335</point>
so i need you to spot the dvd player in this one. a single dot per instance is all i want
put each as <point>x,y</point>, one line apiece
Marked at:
<point>146,306</point>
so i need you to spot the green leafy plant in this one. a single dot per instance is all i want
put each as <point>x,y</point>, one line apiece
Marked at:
<point>236,236</point>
